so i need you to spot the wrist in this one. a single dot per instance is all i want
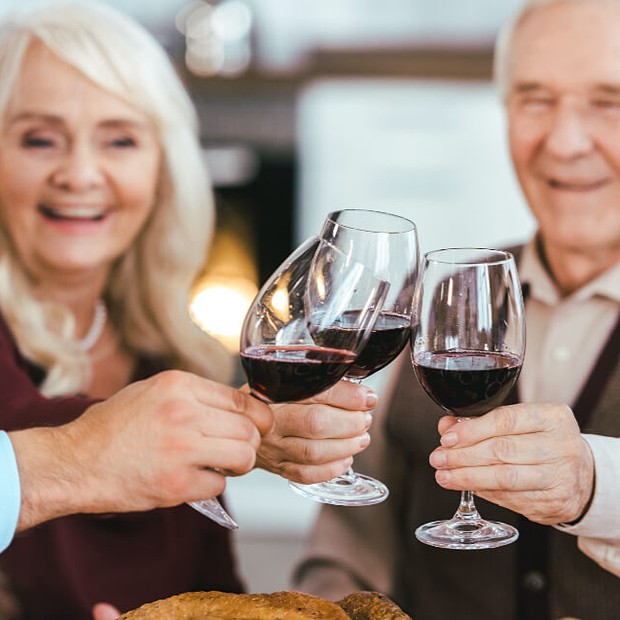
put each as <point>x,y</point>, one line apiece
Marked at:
<point>591,477</point>
<point>46,462</point>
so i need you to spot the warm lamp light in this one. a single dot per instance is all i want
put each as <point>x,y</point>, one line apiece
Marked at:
<point>219,307</point>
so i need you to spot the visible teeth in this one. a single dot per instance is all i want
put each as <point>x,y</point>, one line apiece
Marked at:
<point>77,212</point>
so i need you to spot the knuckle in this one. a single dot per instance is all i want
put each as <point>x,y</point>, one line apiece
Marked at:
<point>317,422</point>
<point>507,478</point>
<point>241,401</point>
<point>507,420</point>
<point>311,452</point>
<point>504,450</point>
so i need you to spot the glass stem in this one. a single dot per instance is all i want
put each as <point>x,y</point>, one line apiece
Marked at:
<point>348,475</point>
<point>467,510</point>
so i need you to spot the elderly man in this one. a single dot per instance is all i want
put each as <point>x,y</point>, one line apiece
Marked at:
<point>549,464</point>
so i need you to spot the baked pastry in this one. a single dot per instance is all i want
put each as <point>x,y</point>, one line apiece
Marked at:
<point>225,606</point>
<point>372,606</point>
<point>274,606</point>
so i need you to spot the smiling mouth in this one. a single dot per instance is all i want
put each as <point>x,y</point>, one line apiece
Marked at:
<point>573,186</point>
<point>73,214</point>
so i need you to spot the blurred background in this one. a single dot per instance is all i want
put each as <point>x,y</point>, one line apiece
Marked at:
<point>307,107</point>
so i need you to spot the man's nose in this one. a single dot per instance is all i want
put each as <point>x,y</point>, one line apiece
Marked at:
<point>569,134</point>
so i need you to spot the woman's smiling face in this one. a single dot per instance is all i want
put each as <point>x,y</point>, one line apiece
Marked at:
<point>79,171</point>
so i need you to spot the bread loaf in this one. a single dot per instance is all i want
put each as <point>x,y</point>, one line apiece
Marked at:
<point>225,606</point>
<point>272,606</point>
<point>371,606</point>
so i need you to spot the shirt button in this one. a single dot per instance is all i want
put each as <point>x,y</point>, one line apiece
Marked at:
<point>561,354</point>
<point>534,581</point>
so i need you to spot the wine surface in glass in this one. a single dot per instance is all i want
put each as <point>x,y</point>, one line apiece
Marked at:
<point>387,339</point>
<point>293,372</point>
<point>467,383</point>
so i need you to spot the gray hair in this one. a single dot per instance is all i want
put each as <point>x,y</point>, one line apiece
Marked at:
<point>148,291</point>
<point>505,40</point>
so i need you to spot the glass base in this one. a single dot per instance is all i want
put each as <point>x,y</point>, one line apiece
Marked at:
<point>346,490</point>
<point>466,534</point>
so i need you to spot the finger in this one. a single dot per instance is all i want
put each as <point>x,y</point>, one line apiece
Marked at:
<point>219,396</point>
<point>314,421</point>
<point>310,452</point>
<point>446,423</point>
<point>311,474</point>
<point>508,420</point>
<point>348,395</point>
<point>104,611</point>
<point>508,478</point>
<point>533,449</point>
<point>215,423</point>
<point>228,455</point>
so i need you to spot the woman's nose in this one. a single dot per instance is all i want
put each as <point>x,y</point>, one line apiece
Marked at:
<point>79,169</point>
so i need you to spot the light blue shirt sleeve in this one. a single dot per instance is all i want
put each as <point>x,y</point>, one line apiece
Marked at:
<point>10,495</point>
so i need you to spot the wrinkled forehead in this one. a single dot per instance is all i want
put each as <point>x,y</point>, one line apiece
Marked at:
<point>571,42</point>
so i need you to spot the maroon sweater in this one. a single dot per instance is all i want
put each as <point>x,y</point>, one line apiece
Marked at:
<point>60,569</point>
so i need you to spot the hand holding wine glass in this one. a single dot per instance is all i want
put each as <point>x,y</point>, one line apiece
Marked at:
<point>467,351</point>
<point>388,245</point>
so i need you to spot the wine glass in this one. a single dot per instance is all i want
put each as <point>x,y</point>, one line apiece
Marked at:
<point>388,245</point>
<point>314,290</point>
<point>467,352</point>
<point>318,289</point>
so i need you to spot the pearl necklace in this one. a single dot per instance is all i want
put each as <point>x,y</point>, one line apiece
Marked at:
<point>96,328</point>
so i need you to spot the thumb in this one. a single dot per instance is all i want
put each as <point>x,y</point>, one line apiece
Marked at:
<point>104,611</point>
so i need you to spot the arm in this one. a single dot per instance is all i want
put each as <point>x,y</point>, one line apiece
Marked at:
<point>153,444</point>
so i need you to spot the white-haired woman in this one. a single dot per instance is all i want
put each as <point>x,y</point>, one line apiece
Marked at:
<point>105,219</point>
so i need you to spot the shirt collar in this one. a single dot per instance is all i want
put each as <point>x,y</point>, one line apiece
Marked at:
<point>542,287</point>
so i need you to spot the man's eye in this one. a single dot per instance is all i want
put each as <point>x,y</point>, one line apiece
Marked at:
<point>538,102</point>
<point>606,104</point>
<point>123,143</point>
<point>37,142</point>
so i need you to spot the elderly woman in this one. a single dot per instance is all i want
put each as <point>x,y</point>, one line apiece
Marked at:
<point>105,219</point>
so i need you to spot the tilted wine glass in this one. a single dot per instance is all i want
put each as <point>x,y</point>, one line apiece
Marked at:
<point>388,245</point>
<point>467,351</point>
<point>312,292</point>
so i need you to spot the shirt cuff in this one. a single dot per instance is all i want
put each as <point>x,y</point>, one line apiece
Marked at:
<point>10,496</point>
<point>601,520</point>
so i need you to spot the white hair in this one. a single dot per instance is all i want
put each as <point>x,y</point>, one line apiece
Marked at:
<point>148,291</point>
<point>505,40</point>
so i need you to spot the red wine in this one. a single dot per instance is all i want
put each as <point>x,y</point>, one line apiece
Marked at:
<point>288,373</point>
<point>467,383</point>
<point>387,339</point>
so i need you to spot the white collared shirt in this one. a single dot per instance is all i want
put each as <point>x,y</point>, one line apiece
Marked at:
<point>565,336</point>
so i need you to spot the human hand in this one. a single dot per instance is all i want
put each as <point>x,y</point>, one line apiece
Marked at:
<point>315,440</point>
<point>529,458</point>
<point>104,611</point>
<point>155,443</point>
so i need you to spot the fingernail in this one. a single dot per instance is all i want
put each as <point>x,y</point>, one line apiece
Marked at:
<point>438,458</point>
<point>449,440</point>
<point>364,440</point>
<point>368,421</point>
<point>371,399</point>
